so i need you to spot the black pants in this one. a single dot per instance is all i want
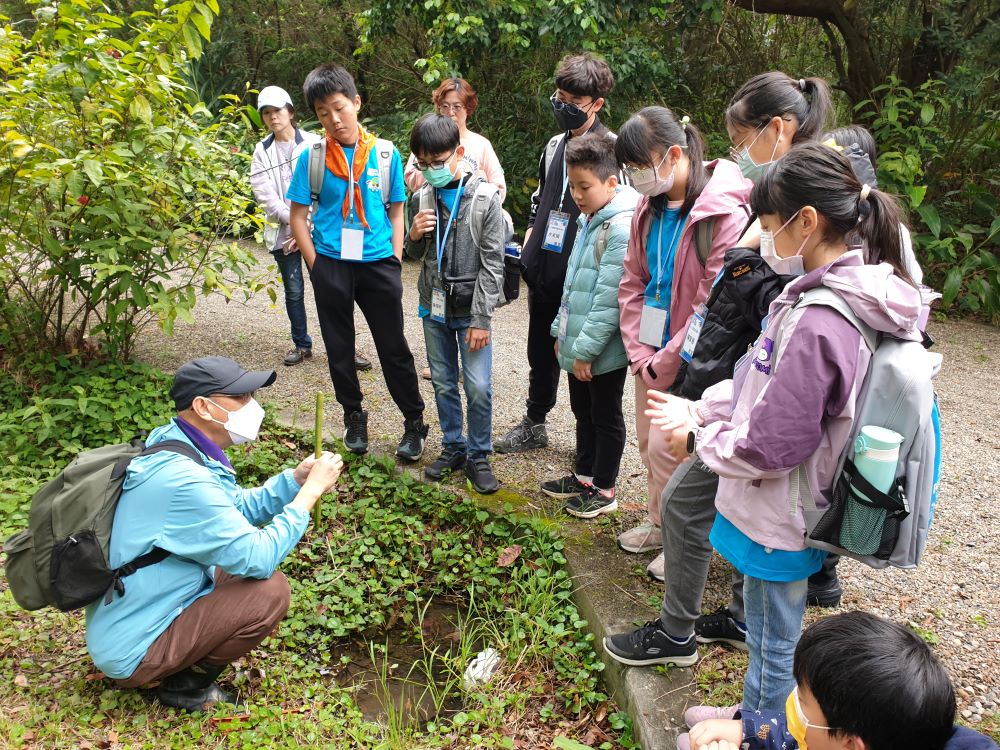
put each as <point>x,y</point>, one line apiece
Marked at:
<point>600,425</point>
<point>377,287</point>
<point>543,374</point>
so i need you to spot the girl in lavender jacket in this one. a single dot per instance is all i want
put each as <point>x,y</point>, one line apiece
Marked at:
<point>794,404</point>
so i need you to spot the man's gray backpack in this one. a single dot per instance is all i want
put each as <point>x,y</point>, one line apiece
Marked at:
<point>61,559</point>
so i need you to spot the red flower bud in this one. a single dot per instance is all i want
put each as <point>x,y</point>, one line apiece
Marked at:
<point>114,53</point>
<point>234,149</point>
<point>83,200</point>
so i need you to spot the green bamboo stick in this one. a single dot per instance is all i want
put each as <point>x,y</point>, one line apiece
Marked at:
<point>319,450</point>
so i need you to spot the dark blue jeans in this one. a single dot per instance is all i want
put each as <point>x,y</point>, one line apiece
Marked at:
<point>291,277</point>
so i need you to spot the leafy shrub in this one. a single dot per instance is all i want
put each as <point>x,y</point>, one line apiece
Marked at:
<point>114,189</point>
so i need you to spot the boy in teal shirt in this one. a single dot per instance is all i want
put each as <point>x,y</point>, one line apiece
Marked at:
<point>353,253</point>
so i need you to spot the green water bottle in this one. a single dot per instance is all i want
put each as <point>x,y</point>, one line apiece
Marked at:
<point>876,454</point>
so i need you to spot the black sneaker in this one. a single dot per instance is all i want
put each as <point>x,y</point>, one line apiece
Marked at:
<point>411,447</point>
<point>481,475</point>
<point>362,363</point>
<point>449,460</point>
<point>524,436</point>
<point>591,503</point>
<point>356,434</point>
<point>566,487</point>
<point>828,595</point>
<point>650,645</point>
<point>296,356</point>
<point>720,627</point>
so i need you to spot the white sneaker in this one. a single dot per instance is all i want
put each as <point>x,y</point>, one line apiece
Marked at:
<point>643,538</point>
<point>655,569</point>
<point>698,714</point>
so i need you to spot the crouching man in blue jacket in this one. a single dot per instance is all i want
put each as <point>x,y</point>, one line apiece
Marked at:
<point>218,594</point>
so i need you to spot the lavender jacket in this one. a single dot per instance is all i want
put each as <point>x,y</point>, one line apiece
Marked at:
<point>796,405</point>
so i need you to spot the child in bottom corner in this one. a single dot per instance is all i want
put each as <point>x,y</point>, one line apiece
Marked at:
<point>861,683</point>
<point>588,337</point>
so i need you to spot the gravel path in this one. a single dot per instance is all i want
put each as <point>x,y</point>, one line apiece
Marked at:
<point>952,598</point>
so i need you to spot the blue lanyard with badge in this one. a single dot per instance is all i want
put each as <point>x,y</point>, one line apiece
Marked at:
<point>558,223</point>
<point>438,295</point>
<point>653,322</point>
<point>352,234</point>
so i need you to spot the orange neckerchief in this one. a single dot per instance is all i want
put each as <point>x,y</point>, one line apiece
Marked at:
<point>336,162</point>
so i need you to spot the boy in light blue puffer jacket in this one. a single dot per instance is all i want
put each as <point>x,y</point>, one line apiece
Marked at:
<point>589,343</point>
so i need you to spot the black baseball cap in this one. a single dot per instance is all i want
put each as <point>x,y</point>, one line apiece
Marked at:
<point>208,375</point>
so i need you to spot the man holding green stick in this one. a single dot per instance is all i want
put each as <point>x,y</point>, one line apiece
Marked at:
<point>216,594</point>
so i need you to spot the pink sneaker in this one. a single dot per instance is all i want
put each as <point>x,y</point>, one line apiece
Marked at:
<point>697,714</point>
<point>684,741</point>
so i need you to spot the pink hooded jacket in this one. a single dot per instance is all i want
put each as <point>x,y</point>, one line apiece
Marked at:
<point>795,404</point>
<point>724,197</point>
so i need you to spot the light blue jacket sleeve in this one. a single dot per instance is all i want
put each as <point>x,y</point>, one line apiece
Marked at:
<point>208,524</point>
<point>602,321</point>
<point>260,504</point>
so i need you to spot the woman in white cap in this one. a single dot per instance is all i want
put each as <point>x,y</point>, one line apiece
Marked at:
<point>270,173</point>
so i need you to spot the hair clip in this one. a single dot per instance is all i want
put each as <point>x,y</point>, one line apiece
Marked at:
<point>865,191</point>
<point>802,84</point>
<point>685,120</point>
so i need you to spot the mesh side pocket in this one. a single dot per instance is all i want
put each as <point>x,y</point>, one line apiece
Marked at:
<point>511,278</point>
<point>861,530</point>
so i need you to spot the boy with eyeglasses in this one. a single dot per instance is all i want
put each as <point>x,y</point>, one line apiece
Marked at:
<point>461,277</point>
<point>582,83</point>
<point>354,252</point>
<point>862,683</point>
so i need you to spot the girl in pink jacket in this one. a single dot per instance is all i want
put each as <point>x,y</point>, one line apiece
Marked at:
<point>667,276</point>
<point>791,402</point>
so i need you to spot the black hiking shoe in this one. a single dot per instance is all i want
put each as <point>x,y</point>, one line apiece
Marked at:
<point>524,436</point>
<point>356,434</point>
<point>411,447</point>
<point>828,595</point>
<point>564,488</point>
<point>450,460</point>
<point>720,627</point>
<point>194,688</point>
<point>650,645</point>
<point>481,475</point>
<point>296,356</point>
<point>590,503</point>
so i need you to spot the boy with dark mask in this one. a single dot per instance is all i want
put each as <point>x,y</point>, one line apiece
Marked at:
<point>582,83</point>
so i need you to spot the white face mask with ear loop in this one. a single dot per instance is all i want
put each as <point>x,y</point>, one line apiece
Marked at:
<point>793,265</point>
<point>243,423</point>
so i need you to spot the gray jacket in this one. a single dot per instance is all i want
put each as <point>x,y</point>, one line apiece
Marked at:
<point>472,276</point>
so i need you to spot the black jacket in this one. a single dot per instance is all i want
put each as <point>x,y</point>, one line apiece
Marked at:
<point>544,270</point>
<point>737,304</point>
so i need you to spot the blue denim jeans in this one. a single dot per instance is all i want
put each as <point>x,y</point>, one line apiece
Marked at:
<point>291,277</point>
<point>774,611</point>
<point>445,344</point>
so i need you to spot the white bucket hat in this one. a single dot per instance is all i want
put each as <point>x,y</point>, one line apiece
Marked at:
<point>273,96</point>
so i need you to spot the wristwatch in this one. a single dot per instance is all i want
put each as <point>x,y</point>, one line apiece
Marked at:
<point>692,440</point>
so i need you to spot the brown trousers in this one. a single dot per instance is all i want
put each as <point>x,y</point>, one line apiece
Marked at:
<point>218,628</point>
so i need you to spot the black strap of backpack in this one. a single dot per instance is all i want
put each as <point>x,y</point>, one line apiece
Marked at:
<point>873,496</point>
<point>156,554</point>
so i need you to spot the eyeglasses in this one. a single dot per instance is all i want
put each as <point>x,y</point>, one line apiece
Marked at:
<point>447,109</point>
<point>559,105</point>
<point>423,166</point>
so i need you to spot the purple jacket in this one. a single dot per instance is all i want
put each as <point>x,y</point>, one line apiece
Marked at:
<point>796,405</point>
<point>768,730</point>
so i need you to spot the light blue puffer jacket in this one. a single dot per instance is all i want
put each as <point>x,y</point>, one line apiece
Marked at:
<point>591,289</point>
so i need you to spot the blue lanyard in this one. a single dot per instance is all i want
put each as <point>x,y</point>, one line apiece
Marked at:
<point>663,254</point>
<point>438,242</point>
<point>562,195</point>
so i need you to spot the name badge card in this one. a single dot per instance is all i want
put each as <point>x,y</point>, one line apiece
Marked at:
<point>438,298</point>
<point>555,231</point>
<point>352,242</point>
<point>693,332</point>
<point>652,325</point>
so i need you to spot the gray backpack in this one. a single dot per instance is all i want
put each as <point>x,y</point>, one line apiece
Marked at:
<point>317,169</point>
<point>876,528</point>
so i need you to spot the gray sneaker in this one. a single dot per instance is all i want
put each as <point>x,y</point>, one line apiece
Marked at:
<point>524,436</point>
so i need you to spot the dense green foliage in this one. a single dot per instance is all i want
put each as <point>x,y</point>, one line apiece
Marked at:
<point>388,548</point>
<point>115,189</point>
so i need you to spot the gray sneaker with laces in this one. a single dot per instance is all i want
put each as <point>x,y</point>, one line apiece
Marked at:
<point>524,436</point>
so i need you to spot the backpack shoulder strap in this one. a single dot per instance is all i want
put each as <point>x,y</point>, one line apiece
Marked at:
<point>605,230</point>
<point>480,203</point>
<point>704,231</point>
<point>550,151</point>
<point>822,295</point>
<point>383,154</point>
<point>317,166</point>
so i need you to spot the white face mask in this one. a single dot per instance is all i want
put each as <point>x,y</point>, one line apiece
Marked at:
<point>244,423</point>
<point>790,266</point>
<point>646,181</point>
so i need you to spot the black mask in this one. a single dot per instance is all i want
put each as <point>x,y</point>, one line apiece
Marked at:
<point>569,116</point>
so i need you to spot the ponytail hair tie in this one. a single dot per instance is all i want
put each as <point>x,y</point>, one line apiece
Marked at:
<point>802,84</point>
<point>685,120</point>
<point>865,191</point>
